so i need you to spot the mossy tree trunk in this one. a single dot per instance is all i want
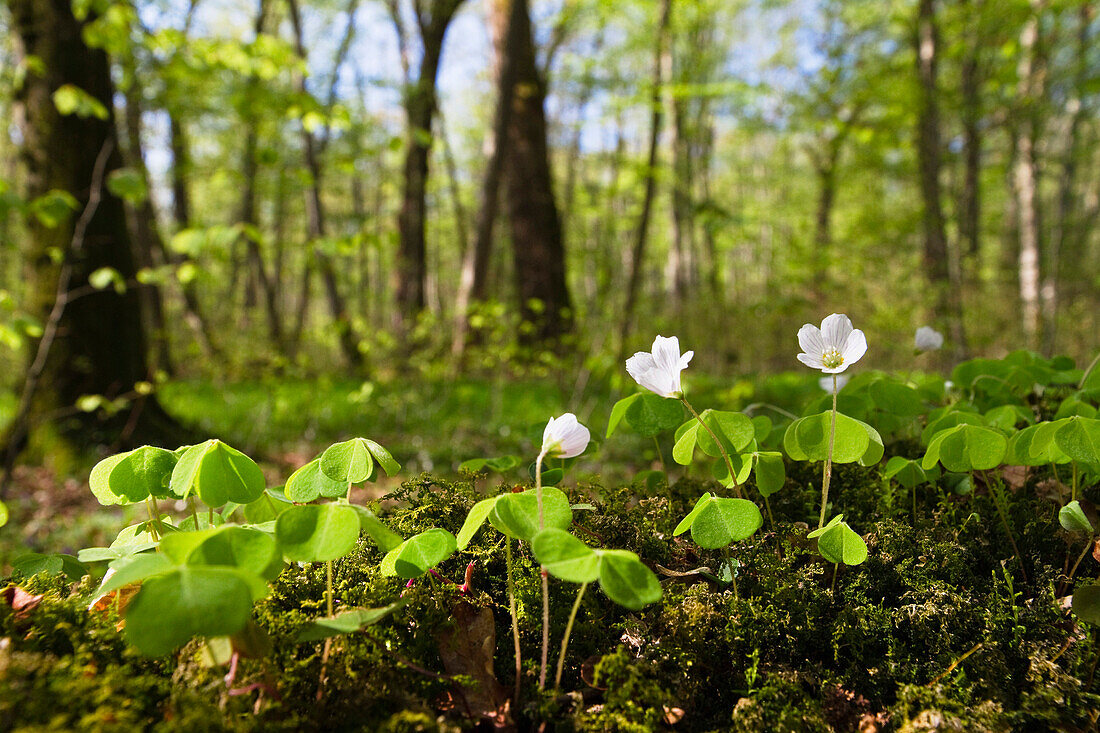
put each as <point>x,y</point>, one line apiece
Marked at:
<point>98,346</point>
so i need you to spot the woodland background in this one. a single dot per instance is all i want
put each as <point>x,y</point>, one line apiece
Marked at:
<point>214,191</point>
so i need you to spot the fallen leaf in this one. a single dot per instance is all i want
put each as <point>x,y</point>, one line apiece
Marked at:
<point>20,600</point>
<point>466,647</point>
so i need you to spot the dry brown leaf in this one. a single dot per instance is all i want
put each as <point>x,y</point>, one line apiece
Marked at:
<point>466,648</point>
<point>20,600</point>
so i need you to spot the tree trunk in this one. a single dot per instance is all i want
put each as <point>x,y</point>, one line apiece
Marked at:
<point>420,106</point>
<point>474,280</point>
<point>93,342</point>
<point>537,247</point>
<point>641,233</point>
<point>970,90</point>
<point>681,265</point>
<point>1067,200</point>
<point>1026,176</point>
<point>938,269</point>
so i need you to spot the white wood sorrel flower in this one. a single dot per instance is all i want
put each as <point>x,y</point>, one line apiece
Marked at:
<point>659,370</point>
<point>927,339</point>
<point>564,437</point>
<point>833,347</point>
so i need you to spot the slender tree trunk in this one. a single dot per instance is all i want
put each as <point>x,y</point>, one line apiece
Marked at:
<point>537,247</point>
<point>641,233</point>
<point>681,264</point>
<point>142,222</point>
<point>1066,215</point>
<point>1026,176</point>
<point>181,213</point>
<point>420,106</point>
<point>947,293</point>
<point>315,214</point>
<point>473,280</point>
<point>93,342</point>
<point>970,88</point>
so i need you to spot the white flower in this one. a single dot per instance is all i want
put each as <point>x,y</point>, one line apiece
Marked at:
<point>927,339</point>
<point>834,346</point>
<point>659,370</point>
<point>826,383</point>
<point>564,437</point>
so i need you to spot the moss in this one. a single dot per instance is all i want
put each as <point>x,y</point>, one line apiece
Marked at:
<point>936,630</point>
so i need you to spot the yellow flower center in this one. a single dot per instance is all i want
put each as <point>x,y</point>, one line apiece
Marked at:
<point>832,358</point>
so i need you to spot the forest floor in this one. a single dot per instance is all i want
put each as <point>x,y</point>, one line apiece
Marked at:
<point>941,629</point>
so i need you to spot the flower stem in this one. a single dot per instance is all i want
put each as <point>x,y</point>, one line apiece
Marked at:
<point>722,448</point>
<point>194,511</point>
<point>1073,495</point>
<point>153,519</point>
<point>828,462</point>
<point>545,580</point>
<point>660,455</point>
<point>568,631</point>
<point>512,610</point>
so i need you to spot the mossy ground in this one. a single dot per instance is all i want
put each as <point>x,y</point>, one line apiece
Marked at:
<point>937,630</point>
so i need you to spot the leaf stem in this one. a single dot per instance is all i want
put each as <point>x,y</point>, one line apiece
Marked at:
<point>194,511</point>
<point>153,519</point>
<point>660,455</point>
<point>1073,494</point>
<point>1072,572</point>
<point>512,609</point>
<point>568,631</point>
<point>722,448</point>
<point>828,462</point>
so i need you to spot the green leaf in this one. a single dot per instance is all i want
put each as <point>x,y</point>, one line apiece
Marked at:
<point>419,554</point>
<point>721,521</point>
<point>101,487</point>
<point>517,515</point>
<point>72,100</point>
<point>1007,417</point>
<point>217,473</point>
<point>807,439</point>
<point>907,473</point>
<point>566,557</point>
<point>627,581</point>
<point>383,457</point>
<point>244,548</point>
<point>762,424</point>
<point>822,530</point>
<point>1079,439</point>
<point>1072,518</point>
<point>683,450</point>
<point>840,544</point>
<point>686,522</point>
<point>265,509</point>
<point>309,483</point>
<point>317,532</point>
<point>382,536</point>
<point>128,184</point>
<point>3,514</point>
<point>348,462</point>
<point>33,563</point>
<point>618,411</point>
<point>172,608</point>
<point>966,448</point>
<point>895,398</point>
<point>142,473</point>
<point>134,569</point>
<point>950,420</point>
<point>742,465</point>
<point>477,515</point>
<point>650,415</point>
<point>1086,603</point>
<point>499,465</point>
<point>734,430</point>
<point>346,622</point>
<point>770,472</point>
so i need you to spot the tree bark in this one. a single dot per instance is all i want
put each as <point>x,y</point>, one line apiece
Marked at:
<point>94,343</point>
<point>537,247</point>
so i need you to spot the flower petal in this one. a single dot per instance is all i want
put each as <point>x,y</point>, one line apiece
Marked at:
<point>666,352</point>
<point>854,348</point>
<point>685,359</point>
<point>835,330</point>
<point>639,364</point>
<point>812,360</point>
<point>809,338</point>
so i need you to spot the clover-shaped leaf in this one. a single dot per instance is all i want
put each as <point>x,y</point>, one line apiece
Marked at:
<point>419,554</point>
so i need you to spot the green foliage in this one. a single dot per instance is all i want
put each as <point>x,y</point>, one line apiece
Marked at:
<point>807,439</point>
<point>317,532</point>
<point>217,473</point>
<point>716,521</point>
<point>419,554</point>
